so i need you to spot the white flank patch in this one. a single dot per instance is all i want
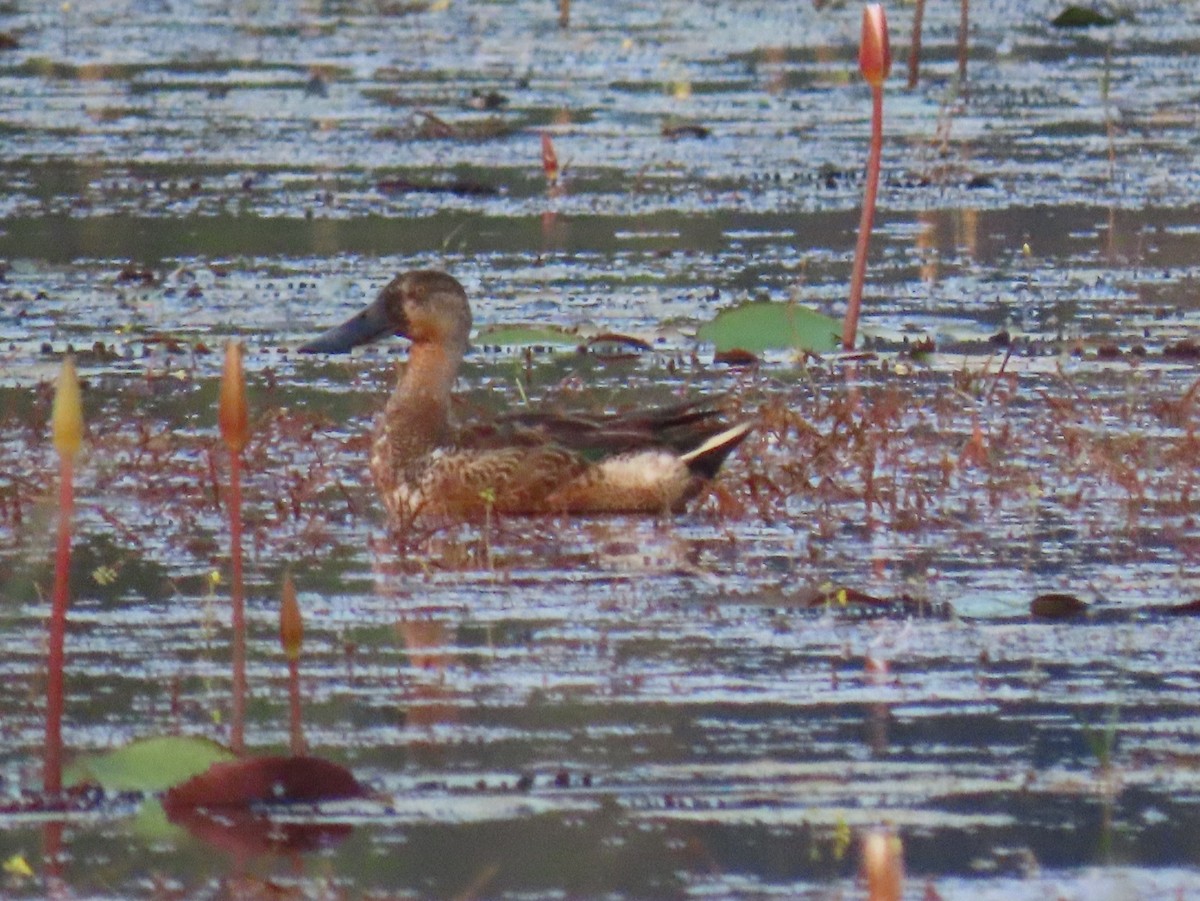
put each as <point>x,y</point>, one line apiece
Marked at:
<point>646,469</point>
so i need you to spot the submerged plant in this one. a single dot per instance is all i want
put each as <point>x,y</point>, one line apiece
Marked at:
<point>875,62</point>
<point>1102,742</point>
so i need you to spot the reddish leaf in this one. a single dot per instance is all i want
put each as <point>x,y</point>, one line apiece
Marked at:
<point>735,357</point>
<point>624,340</point>
<point>853,602</point>
<point>685,130</point>
<point>612,346</point>
<point>1057,606</point>
<point>845,597</point>
<point>281,780</point>
<point>1185,349</point>
<point>133,273</point>
<point>246,834</point>
<point>1190,608</point>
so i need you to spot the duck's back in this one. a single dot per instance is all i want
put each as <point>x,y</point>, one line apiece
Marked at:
<point>544,463</point>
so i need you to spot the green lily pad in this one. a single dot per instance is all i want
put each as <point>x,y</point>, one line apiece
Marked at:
<point>760,325</point>
<point>150,824</point>
<point>1081,17</point>
<point>525,335</point>
<point>148,764</point>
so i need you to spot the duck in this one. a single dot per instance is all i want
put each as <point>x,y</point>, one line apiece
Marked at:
<point>525,463</point>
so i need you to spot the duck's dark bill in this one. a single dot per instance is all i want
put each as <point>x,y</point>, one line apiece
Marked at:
<point>369,325</point>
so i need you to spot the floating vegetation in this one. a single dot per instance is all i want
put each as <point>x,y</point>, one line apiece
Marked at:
<point>838,673</point>
<point>761,325</point>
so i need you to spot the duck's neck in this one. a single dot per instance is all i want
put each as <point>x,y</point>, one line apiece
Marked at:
<point>416,418</point>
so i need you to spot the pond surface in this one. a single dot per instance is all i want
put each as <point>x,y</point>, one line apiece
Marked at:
<point>617,708</point>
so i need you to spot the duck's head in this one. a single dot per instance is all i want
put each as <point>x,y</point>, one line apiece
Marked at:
<point>424,305</point>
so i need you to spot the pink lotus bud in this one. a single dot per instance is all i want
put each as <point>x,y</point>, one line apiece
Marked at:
<point>874,51</point>
<point>883,865</point>
<point>232,414</point>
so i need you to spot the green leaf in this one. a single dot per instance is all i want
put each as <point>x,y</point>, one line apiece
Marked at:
<point>1081,17</point>
<point>148,764</point>
<point>150,824</point>
<point>522,335</point>
<point>760,325</point>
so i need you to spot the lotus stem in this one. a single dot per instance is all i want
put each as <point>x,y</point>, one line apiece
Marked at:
<point>238,592</point>
<point>52,780</point>
<point>291,637</point>
<point>874,61</point>
<point>234,421</point>
<point>964,16</point>
<point>914,47</point>
<point>67,431</point>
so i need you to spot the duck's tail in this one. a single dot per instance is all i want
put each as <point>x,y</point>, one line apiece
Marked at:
<point>706,458</point>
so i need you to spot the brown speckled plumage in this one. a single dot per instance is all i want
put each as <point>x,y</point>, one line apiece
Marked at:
<point>529,463</point>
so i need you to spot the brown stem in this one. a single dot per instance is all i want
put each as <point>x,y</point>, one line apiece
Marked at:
<point>52,775</point>
<point>914,49</point>
<point>963,22</point>
<point>297,725</point>
<point>850,325</point>
<point>52,854</point>
<point>238,726</point>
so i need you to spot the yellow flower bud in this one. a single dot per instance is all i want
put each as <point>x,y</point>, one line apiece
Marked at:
<point>66,419</point>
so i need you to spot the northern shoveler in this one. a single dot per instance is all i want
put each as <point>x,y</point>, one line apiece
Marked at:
<point>648,461</point>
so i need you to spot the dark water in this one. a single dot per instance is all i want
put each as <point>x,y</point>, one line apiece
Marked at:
<point>617,708</point>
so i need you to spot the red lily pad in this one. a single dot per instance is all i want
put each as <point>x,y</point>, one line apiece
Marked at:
<point>843,597</point>
<point>1189,608</point>
<point>243,833</point>
<point>1056,605</point>
<point>254,780</point>
<point>736,357</point>
<point>611,346</point>
<point>1185,349</point>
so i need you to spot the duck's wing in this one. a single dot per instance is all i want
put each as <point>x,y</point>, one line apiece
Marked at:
<point>637,462</point>
<point>679,428</point>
